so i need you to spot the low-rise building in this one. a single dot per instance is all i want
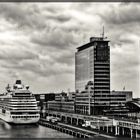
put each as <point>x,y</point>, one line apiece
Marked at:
<point>61,96</point>
<point>86,102</point>
<point>62,106</point>
<point>63,102</point>
<point>70,96</point>
<point>119,98</point>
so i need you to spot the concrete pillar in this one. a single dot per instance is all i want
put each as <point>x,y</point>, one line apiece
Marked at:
<point>116,130</point>
<point>77,121</point>
<point>136,133</point>
<point>122,131</point>
<point>111,129</point>
<point>131,133</point>
<point>107,129</point>
<point>99,128</point>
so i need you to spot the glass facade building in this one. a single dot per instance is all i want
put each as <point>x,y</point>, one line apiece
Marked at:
<point>84,67</point>
<point>92,63</point>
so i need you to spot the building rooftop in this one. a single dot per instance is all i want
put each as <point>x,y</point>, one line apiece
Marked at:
<point>92,41</point>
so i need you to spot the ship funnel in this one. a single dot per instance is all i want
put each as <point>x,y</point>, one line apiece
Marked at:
<point>18,82</point>
<point>18,85</point>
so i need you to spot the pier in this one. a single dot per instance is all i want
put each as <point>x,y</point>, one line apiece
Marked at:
<point>73,130</point>
<point>107,126</point>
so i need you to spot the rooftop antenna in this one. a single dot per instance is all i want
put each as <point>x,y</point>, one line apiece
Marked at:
<point>103,33</point>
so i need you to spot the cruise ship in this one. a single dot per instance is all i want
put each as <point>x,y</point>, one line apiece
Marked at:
<point>18,105</point>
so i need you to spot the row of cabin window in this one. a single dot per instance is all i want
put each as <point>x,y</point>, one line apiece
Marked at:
<point>24,116</point>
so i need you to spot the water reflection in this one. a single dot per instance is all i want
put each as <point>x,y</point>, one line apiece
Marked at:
<point>28,131</point>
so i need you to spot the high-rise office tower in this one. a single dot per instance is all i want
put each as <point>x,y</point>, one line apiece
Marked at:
<point>92,63</point>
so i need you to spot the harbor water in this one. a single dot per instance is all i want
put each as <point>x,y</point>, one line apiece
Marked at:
<point>29,131</point>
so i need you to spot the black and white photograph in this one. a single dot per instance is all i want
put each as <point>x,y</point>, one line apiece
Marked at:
<point>70,70</point>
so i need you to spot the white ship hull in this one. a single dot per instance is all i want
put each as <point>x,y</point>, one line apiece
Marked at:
<point>9,119</point>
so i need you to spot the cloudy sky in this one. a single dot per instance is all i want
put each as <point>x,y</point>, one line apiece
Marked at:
<point>38,42</point>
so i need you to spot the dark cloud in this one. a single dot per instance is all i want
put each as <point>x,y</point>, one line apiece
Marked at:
<point>22,16</point>
<point>123,14</point>
<point>57,38</point>
<point>65,57</point>
<point>59,18</point>
<point>17,54</point>
<point>38,67</point>
<point>52,10</point>
<point>69,59</point>
<point>126,41</point>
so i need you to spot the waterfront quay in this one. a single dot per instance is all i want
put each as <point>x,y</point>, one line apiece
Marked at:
<point>106,127</point>
<point>73,130</point>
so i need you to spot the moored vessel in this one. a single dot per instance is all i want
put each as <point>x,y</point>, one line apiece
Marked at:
<point>18,105</point>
